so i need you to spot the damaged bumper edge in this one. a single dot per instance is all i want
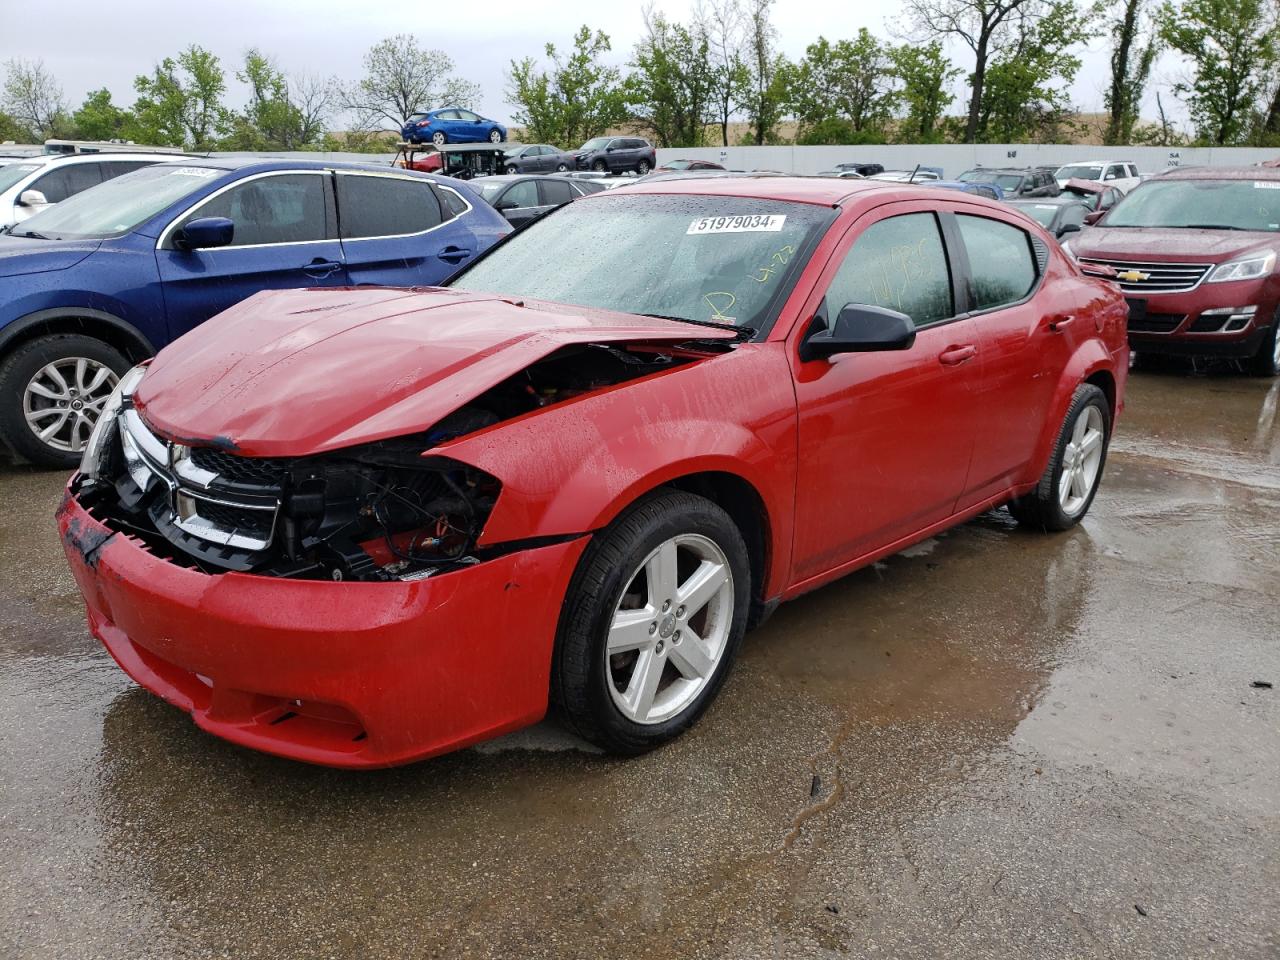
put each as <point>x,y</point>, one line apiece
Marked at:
<point>345,674</point>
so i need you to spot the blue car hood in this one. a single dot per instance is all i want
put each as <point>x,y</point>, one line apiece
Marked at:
<point>20,256</point>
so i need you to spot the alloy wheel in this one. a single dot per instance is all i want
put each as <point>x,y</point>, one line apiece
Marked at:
<point>670,629</point>
<point>63,400</point>
<point>438,139</point>
<point>1081,460</point>
<point>495,136</point>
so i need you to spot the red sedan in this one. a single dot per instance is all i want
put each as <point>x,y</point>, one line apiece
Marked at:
<point>360,527</point>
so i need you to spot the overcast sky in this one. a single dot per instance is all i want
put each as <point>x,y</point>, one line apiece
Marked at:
<point>89,44</point>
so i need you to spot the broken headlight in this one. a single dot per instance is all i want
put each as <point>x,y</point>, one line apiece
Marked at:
<point>104,430</point>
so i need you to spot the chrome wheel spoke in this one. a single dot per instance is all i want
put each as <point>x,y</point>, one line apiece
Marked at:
<point>705,582</point>
<point>690,656</point>
<point>643,687</point>
<point>630,630</point>
<point>1091,443</point>
<point>54,427</point>
<point>40,390</point>
<point>1064,486</point>
<point>1078,485</point>
<point>53,373</point>
<point>44,413</point>
<point>1081,426</point>
<point>660,569</point>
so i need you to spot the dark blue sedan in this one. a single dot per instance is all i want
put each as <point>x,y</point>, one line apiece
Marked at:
<point>105,278</point>
<point>452,125</point>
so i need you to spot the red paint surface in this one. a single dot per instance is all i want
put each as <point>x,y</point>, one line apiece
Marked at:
<point>851,459</point>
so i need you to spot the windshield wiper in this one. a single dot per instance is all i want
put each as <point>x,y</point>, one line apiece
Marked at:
<point>1208,226</point>
<point>715,324</point>
<point>32,234</point>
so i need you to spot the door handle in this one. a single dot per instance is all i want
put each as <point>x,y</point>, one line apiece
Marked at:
<point>954,355</point>
<point>319,268</point>
<point>1058,324</point>
<point>453,254</point>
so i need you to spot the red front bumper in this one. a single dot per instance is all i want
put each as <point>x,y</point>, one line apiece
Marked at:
<point>341,674</point>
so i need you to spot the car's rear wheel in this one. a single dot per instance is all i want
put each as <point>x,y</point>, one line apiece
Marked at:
<point>652,622</point>
<point>599,166</point>
<point>51,393</point>
<point>511,170</point>
<point>562,168</point>
<point>495,136</point>
<point>439,138</point>
<point>1266,362</point>
<point>1070,482</point>
<point>642,167</point>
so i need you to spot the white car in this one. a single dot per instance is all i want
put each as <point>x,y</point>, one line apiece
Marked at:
<point>1121,174</point>
<point>31,184</point>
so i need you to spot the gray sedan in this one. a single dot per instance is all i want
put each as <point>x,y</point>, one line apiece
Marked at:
<point>536,158</point>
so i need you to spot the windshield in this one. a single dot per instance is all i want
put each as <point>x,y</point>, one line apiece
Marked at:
<point>11,173</point>
<point>119,205</point>
<point>720,259</point>
<point>1224,204</point>
<point>1042,213</point>
<point>599,143</point>
<point>1079,172</point>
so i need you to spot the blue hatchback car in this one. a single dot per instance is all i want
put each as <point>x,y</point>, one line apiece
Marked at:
<point>105,278</point>
<point>452,125</point>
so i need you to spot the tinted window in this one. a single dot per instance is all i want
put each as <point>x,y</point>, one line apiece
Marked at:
<point>897,263</point>
<point>522,194</point>
<point>555,191</point>
<point>447,115</point>
<point>454,205</point>
<point>1074,213</point>
<point>115,168</point>
<point>68,181</point>
<point>1000,260</point>
<point>588,186</point>
<point>284,209</point>
<point>385,206</point>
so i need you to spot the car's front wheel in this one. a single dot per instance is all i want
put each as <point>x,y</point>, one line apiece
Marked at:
<point>51,393</point>
<point>1266,362</point>
<point>653,619</point>
<point>439,139</point>
<point>495,136</point>
<point>1070,481</point>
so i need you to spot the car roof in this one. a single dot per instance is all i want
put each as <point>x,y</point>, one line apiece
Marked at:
<point>271,164</point>
<point>1090,163</point>
<point>1058,201</point>
<point>1222,173</point>
<point>825,191</point>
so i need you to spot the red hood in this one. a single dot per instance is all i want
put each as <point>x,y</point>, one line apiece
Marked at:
<point>288,373</point>
<point>1156,245</point>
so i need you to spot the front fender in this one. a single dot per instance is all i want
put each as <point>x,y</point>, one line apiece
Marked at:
<point>575,466</point>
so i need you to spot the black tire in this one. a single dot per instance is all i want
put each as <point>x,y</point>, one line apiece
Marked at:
<point>579,674</point>
<point>1042,509</point>
<point>16,372</point>
<point>511,171</point>
<point>562,168</point>
<point>600,166</point>
<point>642,167</point>
<point>495,136</point>
<point>1266,362</point>
<point>439,138</point>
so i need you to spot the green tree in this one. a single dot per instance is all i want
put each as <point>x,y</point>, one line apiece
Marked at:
<point>271,120</point>
<point>32,97</point>
<point>100,119</point>
<point>925,73</point>
<point>10,129</point>
<point>1027,84</point>
<point>849,80</point>
<point>767,93</point>
<point>577,98</point>
<point>1133,54</point>
<point>180,102</point>
<point>401,77</point>
<point>1232,49</point>
<point>672,89</point>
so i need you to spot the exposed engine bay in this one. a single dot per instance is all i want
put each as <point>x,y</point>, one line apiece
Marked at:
<point>380,511</point>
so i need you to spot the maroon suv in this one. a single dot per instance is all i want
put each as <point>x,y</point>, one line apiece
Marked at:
<point>1195,253</point>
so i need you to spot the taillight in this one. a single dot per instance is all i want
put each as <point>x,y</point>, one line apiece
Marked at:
<point>424,123</point>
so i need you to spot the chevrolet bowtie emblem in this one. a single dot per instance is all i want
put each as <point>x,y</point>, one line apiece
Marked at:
<point>1133,276</point>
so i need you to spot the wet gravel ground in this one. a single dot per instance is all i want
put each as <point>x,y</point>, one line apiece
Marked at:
<point>996,744</point>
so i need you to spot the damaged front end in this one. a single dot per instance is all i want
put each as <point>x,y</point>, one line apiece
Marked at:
<point>386,510</point>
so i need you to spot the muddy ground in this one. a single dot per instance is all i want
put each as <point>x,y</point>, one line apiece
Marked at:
<point>996,744</point>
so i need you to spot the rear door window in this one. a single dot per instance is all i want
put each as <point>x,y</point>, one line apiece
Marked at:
<point>555,192</point>
<point>1002,265</point>
<point>898,263</point>
<point>378,206</point>
<point>522,194</point>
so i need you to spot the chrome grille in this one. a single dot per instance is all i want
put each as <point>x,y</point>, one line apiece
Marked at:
<point>196,499</point>
<point>1158,277</point>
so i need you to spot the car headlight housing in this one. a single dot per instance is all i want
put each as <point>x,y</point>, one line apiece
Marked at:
<point>1066,248</point>
<point>105,429</point>
<point>1247,268</point>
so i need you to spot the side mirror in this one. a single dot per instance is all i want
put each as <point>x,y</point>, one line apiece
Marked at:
<point>205,232</point>
<point>1094,217</point>
<point>32,198</point>
<point>859,328</point>
<point>1068,228</point>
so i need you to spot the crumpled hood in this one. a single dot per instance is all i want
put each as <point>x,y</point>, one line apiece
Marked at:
<point>20,256</point>
<point>296,372</point>
<point>1159,245</point>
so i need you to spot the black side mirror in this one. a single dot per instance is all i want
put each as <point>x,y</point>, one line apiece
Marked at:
<point>1068,228</point>
<point>860,328</point>
<point>205,232</point>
